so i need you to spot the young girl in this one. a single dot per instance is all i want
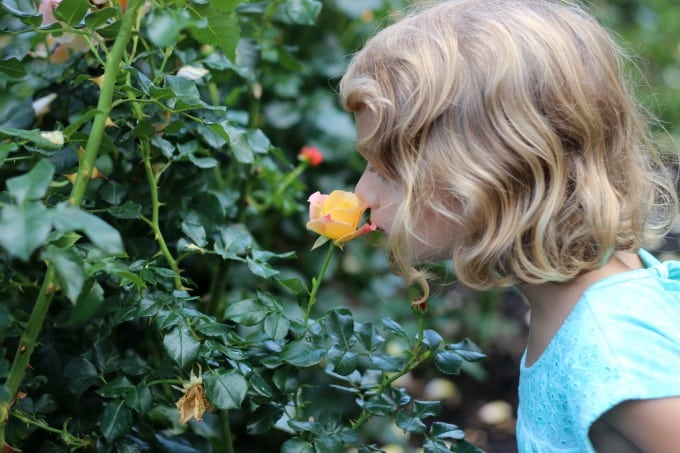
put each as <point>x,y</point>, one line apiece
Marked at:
<point>504,135</point>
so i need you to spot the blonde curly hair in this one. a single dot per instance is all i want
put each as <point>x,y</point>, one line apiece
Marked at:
<point>514,121</point>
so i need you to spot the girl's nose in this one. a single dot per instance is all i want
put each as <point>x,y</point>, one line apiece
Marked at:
<point>365,191</point>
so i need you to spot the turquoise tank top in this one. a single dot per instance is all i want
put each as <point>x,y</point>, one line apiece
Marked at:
<point>620,342</point>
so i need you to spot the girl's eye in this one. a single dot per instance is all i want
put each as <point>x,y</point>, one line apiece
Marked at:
<point>380,176</point>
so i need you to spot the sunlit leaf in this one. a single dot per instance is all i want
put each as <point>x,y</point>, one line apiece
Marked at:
<point>216,27</point>
<point>69,218</point>
<point>32,185</point>
<point>23,229</point>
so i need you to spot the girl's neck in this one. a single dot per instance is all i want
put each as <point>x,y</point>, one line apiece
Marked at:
<point>551,303</point>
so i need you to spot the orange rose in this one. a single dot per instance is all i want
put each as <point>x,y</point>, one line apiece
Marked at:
<point>311,154</point>
<point>336,216</point>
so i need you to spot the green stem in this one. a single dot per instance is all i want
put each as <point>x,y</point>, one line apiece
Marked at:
<point>292,176</point>
<point>227,441</point>
<point>415,360</point>
<point>87,160</point>
<point>316,283</point>
<point>155,214</point>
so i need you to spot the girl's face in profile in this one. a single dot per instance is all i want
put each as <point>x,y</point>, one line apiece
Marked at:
<point>383,198</point>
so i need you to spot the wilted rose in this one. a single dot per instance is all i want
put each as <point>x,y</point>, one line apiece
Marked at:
<point>337,216</point>
<point>193,403</point>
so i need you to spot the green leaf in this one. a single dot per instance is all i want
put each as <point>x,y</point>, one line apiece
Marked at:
<point>344,361</point>
<point>340,326</point>
<point>186,93</point>
<point>468,350</point>
<point>181,345</point>
<point>33,136</point>
<point>100,17</point>
<point>163,26</point>
<point>116,388</point>
<point>88,304</point>
<point>410,423</point>
<point>68,218</point>
<point>72,11</point>
<point>247,312</point>
<point>369,337</point>
<point>295,285</point>
<point>238,141</point>
<point>24,228</point>
<point>32,185</point>
<point>116,420</point>
<point>127,210</point>
<point>448,362</point>
<point>225,389</point>
<point>303,12</point>
<point>12,68</point>
<point>276,325</point>
<point>303,353</point>
<point>297,445</point>
<point>80,374</point>
<point>69,268</point>
<point>217,28</point>
<point>392,326</point>
<point>432,339</point>
<point>381,405</point>
<point>446,431</point>
<point>113,193</point>
<point>233,240</point>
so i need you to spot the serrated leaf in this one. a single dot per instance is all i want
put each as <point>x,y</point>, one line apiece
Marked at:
<point>247,312</point>
<point>392,326</point>
<point>24,228</point>
<point>32,185</point>
<point>276,325</point>
<point>448,362</point>
<point>80,374</point>
<point>432,339</point>
<point>467,350</point>
<point>381,405</point>
<point>344,362</point>
<point>303,353</point>
<point>233,240</point>
<point>340,326</point>
<point>181,345</point>
<point>225,389</point>
<point>410,423</point>
<point>116,420</point>
<point>447,431</point>
<point>216,28</point>
<point>369,337</point>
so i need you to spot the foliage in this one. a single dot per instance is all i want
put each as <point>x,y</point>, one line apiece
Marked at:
<point>150,227</point>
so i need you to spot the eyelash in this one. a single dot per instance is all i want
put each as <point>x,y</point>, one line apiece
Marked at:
<point>380,176</point>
